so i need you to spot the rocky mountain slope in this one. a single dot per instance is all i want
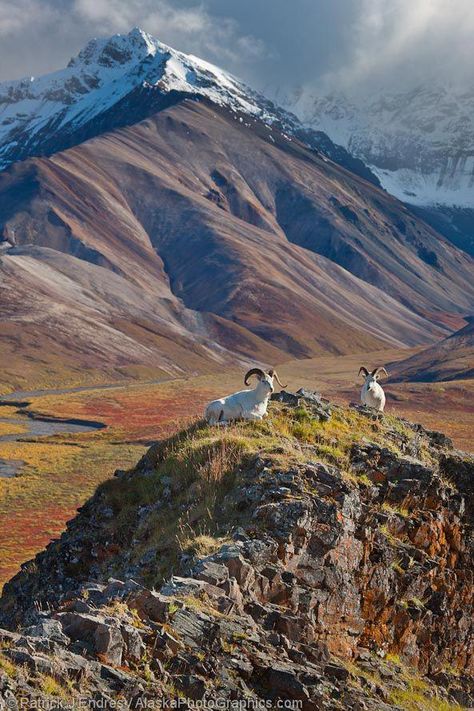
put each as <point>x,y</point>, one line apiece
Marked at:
<point>450,359</point>
<point>419,143</point>
<point>323,555</point>
<point>191,229</point>
<point>198,225</point>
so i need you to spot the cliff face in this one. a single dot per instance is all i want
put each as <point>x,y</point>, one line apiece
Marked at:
<point>323,555</point>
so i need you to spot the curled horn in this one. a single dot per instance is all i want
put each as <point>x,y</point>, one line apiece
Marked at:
<point>273,374</point>
<point>376,371</point>
<point>364,371</point>
<point>254,371</point>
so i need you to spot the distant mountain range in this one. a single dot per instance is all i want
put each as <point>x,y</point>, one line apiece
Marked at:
<point>419,143</point>
<point>157,214</point>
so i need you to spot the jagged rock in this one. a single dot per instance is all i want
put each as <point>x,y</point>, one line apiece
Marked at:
<point>7,637</point>
<point>285,397</point>
<point>319,406</point>
<point>117,589</point>
<point>193,628</point>
<point>282,680</point>
<point>76,666</point>
<point>134,646</point>
<point>167,641</point>
<point>193,686</point>
<point>366,411</point>
<point>109,643</point>
<point>214,573</point>
<point>152,605</point>
<point>36,662</point>
<point>336,671</point>
<point>101,632</point>
<point>118,678</point>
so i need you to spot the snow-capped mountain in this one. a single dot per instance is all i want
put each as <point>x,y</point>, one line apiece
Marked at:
<point>118,81</point>
<point>103,74</point>
<point>419,143</point>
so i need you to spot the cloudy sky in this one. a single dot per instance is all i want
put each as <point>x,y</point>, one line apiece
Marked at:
<point>349,45</point>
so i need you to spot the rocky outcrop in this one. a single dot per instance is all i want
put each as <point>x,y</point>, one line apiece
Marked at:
<point>345,586</point>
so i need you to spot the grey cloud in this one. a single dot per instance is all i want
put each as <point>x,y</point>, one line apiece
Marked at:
<point>352,45</point>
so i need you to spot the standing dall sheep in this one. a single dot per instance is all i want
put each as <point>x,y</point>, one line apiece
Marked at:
<point>245,404</point>
<point>372,393</point>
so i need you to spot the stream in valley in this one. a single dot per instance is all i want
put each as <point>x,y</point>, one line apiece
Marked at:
<point>36,425</point>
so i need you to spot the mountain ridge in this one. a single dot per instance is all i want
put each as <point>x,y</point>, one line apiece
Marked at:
<point>419,142</point>
<point>449,359</point>
<point>250,202</point>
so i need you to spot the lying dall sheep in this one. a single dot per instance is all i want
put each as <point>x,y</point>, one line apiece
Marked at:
<point>245,404</point>
<point>372,393</point>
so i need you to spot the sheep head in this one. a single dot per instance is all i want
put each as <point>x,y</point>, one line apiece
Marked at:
<point>264,378</point>
<point>254,371</point>
<point>375,374</point>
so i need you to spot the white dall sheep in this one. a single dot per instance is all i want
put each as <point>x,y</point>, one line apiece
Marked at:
<point>372,393</point>
<point>245,404</point>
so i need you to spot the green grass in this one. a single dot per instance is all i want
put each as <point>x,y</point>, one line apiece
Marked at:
<point>414,692</point>
<point>200,544</point>
<point>7,667</point>
<point>51,687</point>
<point>397,510</point>
<point>197,467</point>
<point>412,700</point>
<point>393,658</point>
<point>397,568</point>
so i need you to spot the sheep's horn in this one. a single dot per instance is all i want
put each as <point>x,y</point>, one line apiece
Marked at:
<point>273,374</point>
<point>364,371</point>
<point>376,371</point>
<point>254,371</point>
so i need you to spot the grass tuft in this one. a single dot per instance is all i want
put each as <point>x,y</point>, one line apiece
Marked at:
<point>7,666</point>
<point>51,687</point>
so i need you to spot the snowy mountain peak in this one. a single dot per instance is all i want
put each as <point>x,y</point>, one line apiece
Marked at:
<point>118,49</point>
<point>35,111</point>
<point>419,142</point>
<point>121,80</point>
